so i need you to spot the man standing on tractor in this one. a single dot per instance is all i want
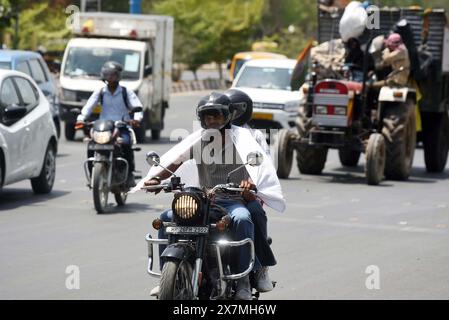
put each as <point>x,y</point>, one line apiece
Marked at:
<point>395,55</point>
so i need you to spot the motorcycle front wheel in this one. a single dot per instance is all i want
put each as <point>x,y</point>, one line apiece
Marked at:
<point>120,198</point>
<point>100,187</point>
<point>176,281</point>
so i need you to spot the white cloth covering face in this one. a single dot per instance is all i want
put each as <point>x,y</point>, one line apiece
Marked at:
<point>264,176</point>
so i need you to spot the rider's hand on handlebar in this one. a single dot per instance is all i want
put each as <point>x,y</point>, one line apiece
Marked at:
<point>134,123</point>
<point>153,182</point>
<point>246,194</point>
<point>79,125</point>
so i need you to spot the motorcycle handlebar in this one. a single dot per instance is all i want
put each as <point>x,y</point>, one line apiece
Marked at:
<point>81,125</point>
<point>228,187</point>
<point>154,187</point>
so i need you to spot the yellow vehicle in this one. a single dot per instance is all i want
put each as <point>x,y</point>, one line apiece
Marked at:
<point>241,57</point>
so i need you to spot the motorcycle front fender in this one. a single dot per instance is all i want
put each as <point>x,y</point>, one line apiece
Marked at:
<point>178,251</point>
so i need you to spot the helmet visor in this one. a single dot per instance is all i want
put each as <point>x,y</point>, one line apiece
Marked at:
<point>214,116</point>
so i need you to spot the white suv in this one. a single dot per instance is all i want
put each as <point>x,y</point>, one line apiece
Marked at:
<point>267,82</point>
<point>28,142</point>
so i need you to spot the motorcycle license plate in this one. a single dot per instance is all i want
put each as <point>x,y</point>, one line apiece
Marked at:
<point>187,230</point>
<point>100,147</point>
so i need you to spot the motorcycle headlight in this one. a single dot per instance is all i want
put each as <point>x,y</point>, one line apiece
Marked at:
<point>185,206</point>
<point>102,137</point>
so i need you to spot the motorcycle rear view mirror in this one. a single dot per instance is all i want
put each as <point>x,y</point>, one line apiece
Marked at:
<point>153,158</point>
<point>254,159</point>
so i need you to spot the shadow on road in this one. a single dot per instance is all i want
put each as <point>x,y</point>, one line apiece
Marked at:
<point>62,155</point>
<point>352,175</point>
<point>11,199</point>
<point>432,177</point>
<point>132,208</point>
<point>349,178</point>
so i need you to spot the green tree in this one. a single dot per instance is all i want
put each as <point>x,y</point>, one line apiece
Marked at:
<point>210,30</point>
<point>6,17</point>
<point>43,25</point>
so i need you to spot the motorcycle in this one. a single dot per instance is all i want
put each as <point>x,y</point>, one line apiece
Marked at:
<point>107,170</point>
<point>197,259</point>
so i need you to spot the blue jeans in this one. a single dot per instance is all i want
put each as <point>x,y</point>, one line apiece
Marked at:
<point>261,245</point>
<point>242,228</point>
<point>128,153</point>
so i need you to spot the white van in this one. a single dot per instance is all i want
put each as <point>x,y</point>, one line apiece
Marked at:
<point>143,44</point>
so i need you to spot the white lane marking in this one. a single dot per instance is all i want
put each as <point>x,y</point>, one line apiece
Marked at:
<point>362,225</point>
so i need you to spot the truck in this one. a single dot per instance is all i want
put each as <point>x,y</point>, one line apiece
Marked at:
<point>143,44</point>
<point>383,123</point>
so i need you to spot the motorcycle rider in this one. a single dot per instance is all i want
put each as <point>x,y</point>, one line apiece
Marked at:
<point>215,113</point>
<point>116,103</point>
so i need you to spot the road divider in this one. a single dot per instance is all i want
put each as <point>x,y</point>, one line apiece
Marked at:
<point>199,85</point>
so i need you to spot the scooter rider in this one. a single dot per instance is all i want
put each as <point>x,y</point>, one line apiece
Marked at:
<point>215,113</point>
<point>116,102</point>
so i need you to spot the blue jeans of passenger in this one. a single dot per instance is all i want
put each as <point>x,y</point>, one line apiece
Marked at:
<point>242,228</point>
<point>263,249</point>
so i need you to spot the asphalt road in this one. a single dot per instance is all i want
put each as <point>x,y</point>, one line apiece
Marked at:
<point>335,230</point>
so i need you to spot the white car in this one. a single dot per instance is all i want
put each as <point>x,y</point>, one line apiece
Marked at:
<point>28,142</point>
<point>267,82</point>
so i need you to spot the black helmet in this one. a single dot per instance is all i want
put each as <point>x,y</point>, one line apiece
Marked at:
<point>242,106</point>
<point>111,67</point>
<point>214,103</point>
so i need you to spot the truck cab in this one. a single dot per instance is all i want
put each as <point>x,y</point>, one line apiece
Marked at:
<point>141,43</point>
